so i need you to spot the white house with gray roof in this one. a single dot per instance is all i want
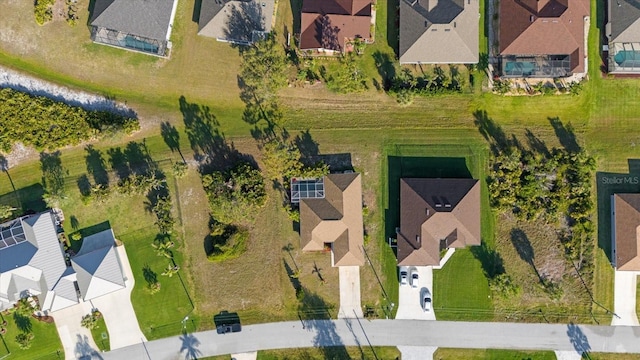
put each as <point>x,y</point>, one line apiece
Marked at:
<point>32,263</point>
<point>137,25</point>
<point>439,31</point>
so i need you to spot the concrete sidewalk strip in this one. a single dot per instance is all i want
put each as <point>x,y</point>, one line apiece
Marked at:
<point>568,355</point>
<point>253,355</point>
<point>624,305</point>
<point>417,352</point>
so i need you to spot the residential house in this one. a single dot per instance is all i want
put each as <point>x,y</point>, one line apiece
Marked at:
<point>543,38</point>
<point>439,31</point>
<point>137,25</point>
<point>436,214</point>
<point>331,25</point>
<point>625,231</point>
<point>623,32</point>
<point>32,263</point>
<point>236,21</point>
<point>331,216</point>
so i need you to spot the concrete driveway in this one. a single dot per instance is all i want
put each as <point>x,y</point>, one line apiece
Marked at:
<point>76,340</point>
<point>350,305</point>
<point>410,298</point>
<point>118,312</point>
<point>625,298</point>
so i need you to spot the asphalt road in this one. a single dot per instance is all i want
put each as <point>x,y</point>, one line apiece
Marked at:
<point>354,332</point>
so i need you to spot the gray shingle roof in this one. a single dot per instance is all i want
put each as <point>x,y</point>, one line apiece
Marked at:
<point>147,18</point>
<point>233,20</point>
<point>624,19</point>
<point>439,31</point>
<point>98,267</point>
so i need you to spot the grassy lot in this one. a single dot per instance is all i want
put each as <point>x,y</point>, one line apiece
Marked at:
<point>46,343</point>
<point>489,354</point>
<point>610,356</point>
<point>381,353</point>
<point>101,335</point>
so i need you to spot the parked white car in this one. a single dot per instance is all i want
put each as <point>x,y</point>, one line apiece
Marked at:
<point>426,300</point>
<point>404,276</point>
<point>414,278</point>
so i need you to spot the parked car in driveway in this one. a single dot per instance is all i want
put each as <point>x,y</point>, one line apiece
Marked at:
<point>414,278</point>
<point>404,276</point>
<point>426,300</point>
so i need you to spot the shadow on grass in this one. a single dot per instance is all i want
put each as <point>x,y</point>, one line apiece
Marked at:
<point>386,68</point>
<point>197,9</point>
<point>393,25</point>
<point>608,184</point>
<point>566,135</point>
<point>23,323</point>
<point>96,166</point>
<point>29,199</point>
<point>150,277</point>
<point>171,137</point>
<point>296,12</point>
<point>492,262</point>
<point>311,308</point>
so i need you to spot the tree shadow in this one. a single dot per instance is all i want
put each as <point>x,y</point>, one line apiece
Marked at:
<point>96,165</point>
<point>293,277</point>
<point>307,145</point>
<point>537,145</point>
<point>75,224</point>
<point>83,349</point>
<point>139,159</point>
<point>565,134</point>
<point>197,8</point>
<point>327,34</point>
<point>492,262</point>
<point>149,275</point>
<point>245,18</point>
<point>493,133</point>
<point>84,185</point>
<point>312,308</point>
<point>118,163</point>
<point>209,145</point>
<point>393,25</point>
<point>53,174</point>
<point>23,323</point>
<point>171,137</point>
<point>523,247</point>
<point>296,12</point>
<point>578,339</point>
<point>190,346</point>
<point>386,68</point>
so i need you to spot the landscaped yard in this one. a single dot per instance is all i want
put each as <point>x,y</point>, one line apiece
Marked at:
<point>365,352</point>
<point>45,344</point>
<point>488,354</point>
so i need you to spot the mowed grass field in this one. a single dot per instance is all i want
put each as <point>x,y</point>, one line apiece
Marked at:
<point>604,118</point>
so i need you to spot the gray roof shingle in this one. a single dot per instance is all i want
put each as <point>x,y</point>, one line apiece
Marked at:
<point>147,18</point>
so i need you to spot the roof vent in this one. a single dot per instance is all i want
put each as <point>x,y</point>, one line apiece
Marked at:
<point>447,29</point>
<point>427,209</point>
<point>418,238</point>
<point>531,18</point>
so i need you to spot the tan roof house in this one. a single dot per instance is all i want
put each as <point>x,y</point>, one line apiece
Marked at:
<point>436,214</point>
<point>335,220</point>
<point>543,38</point>
<point>439,31</point>
<point>329,25</point>
<point>625,228</point>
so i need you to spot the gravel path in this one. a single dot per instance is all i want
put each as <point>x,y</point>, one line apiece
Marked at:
<point>34,86</point>
<point>18,81</point>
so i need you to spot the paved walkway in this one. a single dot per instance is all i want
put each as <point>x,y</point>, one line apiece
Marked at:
<point>624,305</point>
<point>354,332</point>
<point>76,340</point>
<point>245,356</point>
<point>118,311</point>
<point>568,355</point>
<point>350,305</point>
<point>417,352</point>
<point>410,299</point>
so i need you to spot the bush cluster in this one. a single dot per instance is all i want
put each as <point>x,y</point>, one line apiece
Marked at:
<point>46,124</point>
<point>43,11</point>
<point>406,84</point>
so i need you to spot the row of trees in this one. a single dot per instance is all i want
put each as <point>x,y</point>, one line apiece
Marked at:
<point>46,124</point>
<point>406,84</point>
<point>554,186</point>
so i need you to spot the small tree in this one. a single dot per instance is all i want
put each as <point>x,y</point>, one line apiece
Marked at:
<point>89,321</point>
<point>24,340</point>
<point>349,78</point>
<point>6,211</point>
<point>164,249</point>
<point>170,270</point>
<point>180,169</point>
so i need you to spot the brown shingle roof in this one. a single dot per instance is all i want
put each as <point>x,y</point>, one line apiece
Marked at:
<point>626,225</point>
<point>326,24</point>
<point>544,27</point>
<point>435,214</point>
<point>336,219</point>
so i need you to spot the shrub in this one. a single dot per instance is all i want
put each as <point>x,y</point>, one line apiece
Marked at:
<point>43,11</point>
<point>89,321</point>
<point>180,169</point>
<point>229,245</point>
<point>501,86</point>
<point>24,340</point>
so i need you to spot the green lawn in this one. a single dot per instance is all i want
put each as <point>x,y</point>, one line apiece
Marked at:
<point>490,354</point>
<point>101,335</point>
<point>46,343</point>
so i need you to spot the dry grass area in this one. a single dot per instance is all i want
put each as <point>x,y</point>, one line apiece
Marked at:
<point>257,285</point>
<point>531,251</point>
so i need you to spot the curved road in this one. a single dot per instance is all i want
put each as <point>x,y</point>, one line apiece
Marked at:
<point>354,332</point>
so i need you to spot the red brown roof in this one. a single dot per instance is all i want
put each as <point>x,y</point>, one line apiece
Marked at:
<point>436,214</point>
<point>544,27</point>
<point>328,24</point>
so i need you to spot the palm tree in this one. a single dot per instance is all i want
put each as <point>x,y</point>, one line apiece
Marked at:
<point>171,270</point>
<point>164,249</point>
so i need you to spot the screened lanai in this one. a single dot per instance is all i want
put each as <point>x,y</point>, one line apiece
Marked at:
<point>624,57</point>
